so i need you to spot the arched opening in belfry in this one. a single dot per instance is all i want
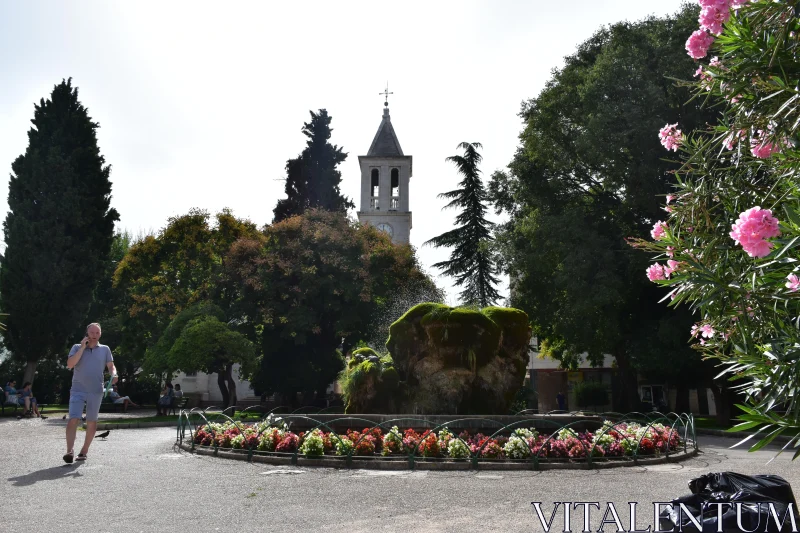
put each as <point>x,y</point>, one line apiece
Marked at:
<point>375,188</point>
<point>395,189</point>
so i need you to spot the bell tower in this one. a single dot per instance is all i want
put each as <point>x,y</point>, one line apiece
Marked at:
<point>385,175</point>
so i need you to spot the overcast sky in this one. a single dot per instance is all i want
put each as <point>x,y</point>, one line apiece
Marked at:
<point>201,103</point>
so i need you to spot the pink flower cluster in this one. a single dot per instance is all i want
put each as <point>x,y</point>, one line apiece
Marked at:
<point>713,15</point>
<point>794,282</point>
<point>671,137</point>
<point>659,230</point>
<point>761,147</point>
<point>752,229</point>
<point>706,330</point>
<point>698,44</point>
<point>658,271</point>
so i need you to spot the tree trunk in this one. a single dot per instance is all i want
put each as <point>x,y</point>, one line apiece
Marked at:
<point>223,388</point>
<point>30,371</point>
<point>682,398</point>
<point>231,386</point>
<point>722,405</point>
<point>628,400</point>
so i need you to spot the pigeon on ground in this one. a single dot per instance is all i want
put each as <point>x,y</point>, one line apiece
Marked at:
<point>104,435</point>
<point>64,417</point>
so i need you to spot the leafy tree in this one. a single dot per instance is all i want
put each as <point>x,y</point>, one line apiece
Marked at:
<point>200,339</point>
<point>58,231</point>
<point>586,177</point>
<point>312,179</point>
<point>729,244</point>
<point>313,286</point>
<point>181,266</point>
<point>471,262</point>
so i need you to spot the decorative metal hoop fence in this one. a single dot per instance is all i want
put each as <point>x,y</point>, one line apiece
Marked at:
<point>594,440</point>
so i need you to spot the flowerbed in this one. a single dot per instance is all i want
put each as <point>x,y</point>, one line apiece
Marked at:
<point>610,440</point>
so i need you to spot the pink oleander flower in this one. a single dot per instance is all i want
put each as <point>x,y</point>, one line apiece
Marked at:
<point>671,137</point>
<point>721,4</point>
<point>698,44</point>
<point>655,272</point>
<point>670,197</point>
<point>752,229</point>
<point>707,331</point>
<point>761,147</point>
<point>705,78</point>
<point>713,17</point>
<point>715,62</point>
<point>670,251</point>
<point>672,266</point>
<point>659,230</point>
<point>794,282</point>
<point>733,138</point>
<point>736,4</point>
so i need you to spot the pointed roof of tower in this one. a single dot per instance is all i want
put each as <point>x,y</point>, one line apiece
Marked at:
<point>385,142</point>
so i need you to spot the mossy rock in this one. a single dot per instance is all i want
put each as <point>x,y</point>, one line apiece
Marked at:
<point>370,383</point>
<point>459,360</point>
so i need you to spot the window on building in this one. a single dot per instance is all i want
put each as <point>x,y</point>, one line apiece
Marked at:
<point>376,183</point>
<point>395,201</point>
<point>191,374</point>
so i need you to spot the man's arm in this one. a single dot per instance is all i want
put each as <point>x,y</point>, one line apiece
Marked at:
<point>76,357</point>
<point>112,370</point>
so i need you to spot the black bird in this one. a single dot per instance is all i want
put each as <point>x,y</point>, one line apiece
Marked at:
<point>103,435</point>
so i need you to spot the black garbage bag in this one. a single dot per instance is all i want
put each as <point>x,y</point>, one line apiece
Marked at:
<point>722,491</point>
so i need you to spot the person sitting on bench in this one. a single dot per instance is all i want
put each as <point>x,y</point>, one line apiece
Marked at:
<point>124,400</point>
<point>28,401</point>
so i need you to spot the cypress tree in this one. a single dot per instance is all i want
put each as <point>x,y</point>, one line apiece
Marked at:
<point>471,262</point>
<point>312,180</point>
<point>58,231</point>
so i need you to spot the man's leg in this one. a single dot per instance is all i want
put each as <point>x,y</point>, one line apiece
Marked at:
<point>92,412</point>
<point>72,429</point>
<point>76,401</point>
<point>91,429</point>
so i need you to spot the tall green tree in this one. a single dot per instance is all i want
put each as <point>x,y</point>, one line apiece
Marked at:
<point>472,261</point>
<point>589,174</point>
<point>58,230</point>
<point>312,179</point>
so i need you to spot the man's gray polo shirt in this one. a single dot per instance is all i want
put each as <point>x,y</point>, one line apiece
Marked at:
<point>87,376</point>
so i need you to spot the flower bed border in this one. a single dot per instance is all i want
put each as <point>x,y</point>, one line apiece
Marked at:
<point>681,425</point>
<point>402,462</point>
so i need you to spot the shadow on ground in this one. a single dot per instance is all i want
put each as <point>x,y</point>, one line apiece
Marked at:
<point>47,474</point>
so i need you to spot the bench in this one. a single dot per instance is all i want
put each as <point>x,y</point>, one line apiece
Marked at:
<point>179,404</point>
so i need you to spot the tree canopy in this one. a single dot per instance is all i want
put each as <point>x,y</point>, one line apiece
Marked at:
<point>587,176</point>
<point>313,286</point>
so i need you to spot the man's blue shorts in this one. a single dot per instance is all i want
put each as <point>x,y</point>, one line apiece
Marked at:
<point>92,401</point>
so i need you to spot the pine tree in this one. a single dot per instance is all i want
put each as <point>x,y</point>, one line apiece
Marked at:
<point>58,231</point>
<point>312,180</point>
<point>471,262</point>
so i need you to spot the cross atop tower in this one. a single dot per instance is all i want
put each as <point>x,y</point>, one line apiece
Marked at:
<point>386,94</point>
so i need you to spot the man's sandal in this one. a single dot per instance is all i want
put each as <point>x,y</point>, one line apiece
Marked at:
<point>68,457</point>
<point>81,457</point>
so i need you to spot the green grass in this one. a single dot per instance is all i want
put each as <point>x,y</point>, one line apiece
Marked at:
<point>707,422</point>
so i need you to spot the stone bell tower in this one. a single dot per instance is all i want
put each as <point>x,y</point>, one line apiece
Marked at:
<point>385,175</point>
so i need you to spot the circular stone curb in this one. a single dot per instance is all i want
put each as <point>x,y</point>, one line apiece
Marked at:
<point>401,463</point>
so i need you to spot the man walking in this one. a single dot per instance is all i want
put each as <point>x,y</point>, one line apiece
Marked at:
<point>87,361</point>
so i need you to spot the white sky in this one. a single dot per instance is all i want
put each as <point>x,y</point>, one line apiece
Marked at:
<point>201,103</point>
